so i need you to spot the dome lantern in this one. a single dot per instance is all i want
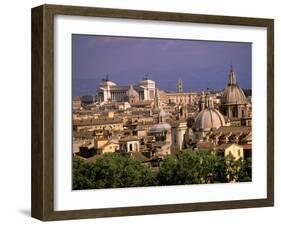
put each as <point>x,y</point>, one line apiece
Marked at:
<point>132,95</point>
<point>232,77</point>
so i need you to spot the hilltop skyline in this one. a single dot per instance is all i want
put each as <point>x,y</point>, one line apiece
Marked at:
<point>199,64</point>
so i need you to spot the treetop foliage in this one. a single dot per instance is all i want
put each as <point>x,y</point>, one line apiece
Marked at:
<point>114,170</point>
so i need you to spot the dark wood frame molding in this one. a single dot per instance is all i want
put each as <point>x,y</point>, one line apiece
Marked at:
<point>42,203</point>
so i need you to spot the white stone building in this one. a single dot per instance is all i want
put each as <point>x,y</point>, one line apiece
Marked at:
<point>110,91</point>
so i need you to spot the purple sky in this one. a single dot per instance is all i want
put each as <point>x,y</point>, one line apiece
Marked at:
<point>200,64</point>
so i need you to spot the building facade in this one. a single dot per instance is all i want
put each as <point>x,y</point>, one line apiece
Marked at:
<point>109,91</point>
<point>179,130</point>
<point>129,144</point>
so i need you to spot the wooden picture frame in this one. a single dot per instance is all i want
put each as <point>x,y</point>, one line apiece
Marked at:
<point>43,112</point>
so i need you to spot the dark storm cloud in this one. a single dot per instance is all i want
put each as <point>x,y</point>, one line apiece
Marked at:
<point>200,64</point>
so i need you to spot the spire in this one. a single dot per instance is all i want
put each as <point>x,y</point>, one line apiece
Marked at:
<point>157,104</point>
<point>231,76</point>
<point>189,98</point>
<point>180,86</point>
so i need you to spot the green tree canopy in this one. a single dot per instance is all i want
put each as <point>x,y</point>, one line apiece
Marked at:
<point>193,167</point>
<point>112,170</point>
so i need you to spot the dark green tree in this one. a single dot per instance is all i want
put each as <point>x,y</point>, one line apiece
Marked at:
<point>193,167</point>
<point>112,171</point>
<point>167,171</point>
<point>238,170</point>
<point>190,167</point>
<point>245,173</point>
<point>81,174</point>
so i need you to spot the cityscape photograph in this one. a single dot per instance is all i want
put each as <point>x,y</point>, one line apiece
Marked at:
<point>160,112</point>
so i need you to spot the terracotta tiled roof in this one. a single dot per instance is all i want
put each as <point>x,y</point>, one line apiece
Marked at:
<point>224,146</point>
<point>234,129</point>
<point>83,134</point>
<point>129,138</point>
<point>99,121</point>
<point>204,145</point>
<point>93,159</point>
<point>246,146</point>
<point>139,156</point>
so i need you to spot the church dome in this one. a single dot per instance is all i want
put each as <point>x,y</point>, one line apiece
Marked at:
<point>208,119</point>
<point>232,93</point>
<point>131,92</point>
<point>161,127</point>
<point>163,114</point>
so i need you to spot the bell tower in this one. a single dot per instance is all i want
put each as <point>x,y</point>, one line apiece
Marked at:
<point>157,103</point>
<point>180,86</point>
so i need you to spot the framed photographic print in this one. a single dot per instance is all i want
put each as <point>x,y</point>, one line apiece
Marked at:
<point>141,112</point>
